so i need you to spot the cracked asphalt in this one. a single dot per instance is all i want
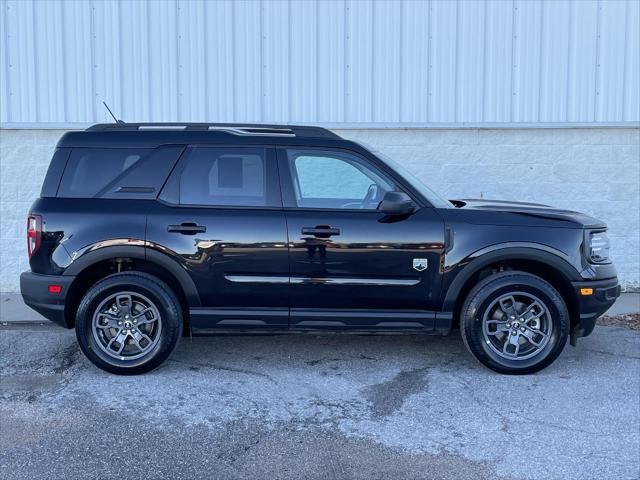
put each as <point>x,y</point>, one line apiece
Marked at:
<point>318,407</point>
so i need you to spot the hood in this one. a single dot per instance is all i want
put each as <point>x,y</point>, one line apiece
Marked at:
<point>532,211</point>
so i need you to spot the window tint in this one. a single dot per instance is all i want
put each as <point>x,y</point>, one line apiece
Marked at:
<point>223,176</point>
<point>434,199</point>
<point>326,179</point>
<point>90,170</point>
<point>54,172</point>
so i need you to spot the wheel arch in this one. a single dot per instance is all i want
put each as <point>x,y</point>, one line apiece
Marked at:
<point>97,264</point>
<point>545,264</point>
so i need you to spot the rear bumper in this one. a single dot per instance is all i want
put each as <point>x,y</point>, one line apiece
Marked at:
<point>590,307</point>
<point>35,293</point>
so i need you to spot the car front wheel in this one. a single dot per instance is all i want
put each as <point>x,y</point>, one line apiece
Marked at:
<point>129,323</point>
<point>514,322</point>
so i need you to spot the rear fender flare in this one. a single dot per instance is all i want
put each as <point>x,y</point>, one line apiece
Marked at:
<point>140,252</point>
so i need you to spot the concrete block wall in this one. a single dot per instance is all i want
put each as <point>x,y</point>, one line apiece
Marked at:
<point>24,158</point>
<point>594,170</point>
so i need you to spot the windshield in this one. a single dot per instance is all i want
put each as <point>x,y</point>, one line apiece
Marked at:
<point>432,197</point>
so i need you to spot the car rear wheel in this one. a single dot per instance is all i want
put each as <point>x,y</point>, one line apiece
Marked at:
<point>514,322</point>
<point>129,323</point>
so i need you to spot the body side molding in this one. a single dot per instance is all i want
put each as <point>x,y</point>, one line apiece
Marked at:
<point>403,282</point>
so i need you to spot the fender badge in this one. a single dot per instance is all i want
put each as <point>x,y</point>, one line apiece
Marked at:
<point>420,264</point>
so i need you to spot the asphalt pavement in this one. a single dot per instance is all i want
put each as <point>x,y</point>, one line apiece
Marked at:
<point>318,407</point>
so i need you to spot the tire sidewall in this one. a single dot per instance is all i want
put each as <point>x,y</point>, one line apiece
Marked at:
<point>481,298</point>
<point>156,292</point>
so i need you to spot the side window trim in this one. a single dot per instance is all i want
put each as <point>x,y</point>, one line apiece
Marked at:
<point>170,192</point>
<point>287,175</point>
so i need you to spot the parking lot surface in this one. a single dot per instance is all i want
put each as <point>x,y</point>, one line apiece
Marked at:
<point>325,407</point>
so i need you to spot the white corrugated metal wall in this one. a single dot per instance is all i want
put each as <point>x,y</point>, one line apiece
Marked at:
<point>332,62</point>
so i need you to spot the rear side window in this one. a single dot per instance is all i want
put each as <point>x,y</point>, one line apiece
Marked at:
<point>226,176</point>
<point>121,173</point>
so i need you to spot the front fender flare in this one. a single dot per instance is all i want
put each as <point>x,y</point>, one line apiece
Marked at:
<point>497,253</point>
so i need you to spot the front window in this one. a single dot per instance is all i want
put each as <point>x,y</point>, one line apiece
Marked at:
<point>335,180</point>
<point>432,197</point>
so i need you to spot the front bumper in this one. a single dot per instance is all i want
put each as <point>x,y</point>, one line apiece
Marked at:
<point>591,306</point>
<point>35,293</point>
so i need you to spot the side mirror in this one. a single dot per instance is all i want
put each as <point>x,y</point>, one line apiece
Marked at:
<point>397,203</point>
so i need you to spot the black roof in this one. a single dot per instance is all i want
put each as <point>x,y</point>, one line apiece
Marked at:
<point>155,134</point>
<point>239,128</point>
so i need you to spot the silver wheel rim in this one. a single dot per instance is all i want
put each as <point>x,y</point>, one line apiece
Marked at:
<point>126,325</point>
<point>517,326</point>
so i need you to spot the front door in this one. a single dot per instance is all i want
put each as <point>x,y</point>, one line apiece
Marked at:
<point>351,266</point>
<point>220,215</point>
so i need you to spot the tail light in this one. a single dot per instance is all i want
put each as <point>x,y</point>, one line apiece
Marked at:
<point>34,233</point>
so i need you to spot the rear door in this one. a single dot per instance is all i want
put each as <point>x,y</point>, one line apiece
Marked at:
<point>352,266</point>
<point>220,215</point>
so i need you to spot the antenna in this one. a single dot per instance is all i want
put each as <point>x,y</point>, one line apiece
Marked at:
<point>111,113</point>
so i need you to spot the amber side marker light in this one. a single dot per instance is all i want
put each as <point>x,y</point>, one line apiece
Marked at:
<point>586,291</point>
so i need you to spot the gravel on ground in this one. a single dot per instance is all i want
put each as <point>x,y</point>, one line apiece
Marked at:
<point>630,320</point>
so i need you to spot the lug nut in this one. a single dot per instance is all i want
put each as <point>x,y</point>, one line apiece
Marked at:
<point>119,323</point>
<point>522,329</point>
<point>135,321</point>
<point>508,325</point>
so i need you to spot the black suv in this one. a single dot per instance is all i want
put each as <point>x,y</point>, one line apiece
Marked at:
<point>145,232</point>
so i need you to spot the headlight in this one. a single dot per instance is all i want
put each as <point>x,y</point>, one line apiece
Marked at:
<point>598,247</point>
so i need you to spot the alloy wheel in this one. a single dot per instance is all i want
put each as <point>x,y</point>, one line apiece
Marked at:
<point>517,326</point>
<point>126,325</point>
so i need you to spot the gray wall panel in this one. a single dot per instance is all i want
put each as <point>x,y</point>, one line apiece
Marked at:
<point>350,62</point>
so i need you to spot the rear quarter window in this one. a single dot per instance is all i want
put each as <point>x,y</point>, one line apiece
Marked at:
<point>119,173</point>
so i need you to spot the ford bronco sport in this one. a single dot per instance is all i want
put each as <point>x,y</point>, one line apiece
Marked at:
<point>145,232</point>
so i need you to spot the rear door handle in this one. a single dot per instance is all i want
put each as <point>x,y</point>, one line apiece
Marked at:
<point>187,228</point>
<point>321,231</point>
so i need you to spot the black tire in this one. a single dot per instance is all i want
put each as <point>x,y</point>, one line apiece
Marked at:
<point>481,303</point>
<point>167,311</point>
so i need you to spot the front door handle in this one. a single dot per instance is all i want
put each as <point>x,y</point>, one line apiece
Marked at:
<point>187,228</point>
<point>321,231</point>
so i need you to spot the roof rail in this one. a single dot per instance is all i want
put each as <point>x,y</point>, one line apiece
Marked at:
<point>231,128</point>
